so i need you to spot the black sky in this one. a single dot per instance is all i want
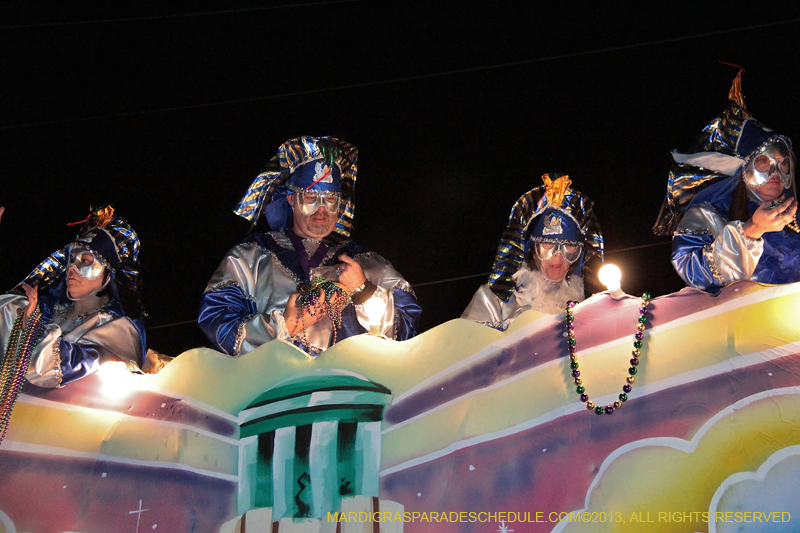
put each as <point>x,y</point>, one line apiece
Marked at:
<point>456,109</point>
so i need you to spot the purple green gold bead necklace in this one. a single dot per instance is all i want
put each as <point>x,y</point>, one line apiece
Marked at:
<point>629,379</point>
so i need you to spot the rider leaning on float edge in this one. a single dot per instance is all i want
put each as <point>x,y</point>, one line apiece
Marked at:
<point>552,231</point>
<point>89,297</point>
<point>306,193</point>
<point>738,184</point>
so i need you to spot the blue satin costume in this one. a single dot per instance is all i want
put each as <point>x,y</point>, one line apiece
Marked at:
<point>709,251</point>
<point>72,348</point>
<point>243,305</point>
<point>65,355</point>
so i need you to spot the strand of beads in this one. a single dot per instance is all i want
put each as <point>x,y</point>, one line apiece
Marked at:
<point>336,299</point>
<point>19,350</point>
<point>629,379</point>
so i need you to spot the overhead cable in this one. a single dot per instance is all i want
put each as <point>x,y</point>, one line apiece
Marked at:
<point>403,79</point>
<point>171,16</point>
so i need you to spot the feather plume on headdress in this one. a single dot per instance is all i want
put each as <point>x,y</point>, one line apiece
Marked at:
<point>556,189</point>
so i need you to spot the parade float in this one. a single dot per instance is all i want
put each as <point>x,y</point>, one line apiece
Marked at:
<point>460,429</point>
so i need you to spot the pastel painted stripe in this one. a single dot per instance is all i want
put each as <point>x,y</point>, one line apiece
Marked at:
<point>53,451</point>
<point>602,330</point>
<point>551,467</point>
<point>117,435</point>
<point>444,427</point>
<point>149,403</point>
<point>33,400</point>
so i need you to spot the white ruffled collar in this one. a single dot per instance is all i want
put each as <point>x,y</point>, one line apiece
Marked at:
<point>533,291</point>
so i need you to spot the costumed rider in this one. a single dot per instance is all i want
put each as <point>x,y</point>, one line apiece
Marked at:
<point>539,264</point>
<point>82,304</point>
<point>305,282</point>
<point>731,204</point>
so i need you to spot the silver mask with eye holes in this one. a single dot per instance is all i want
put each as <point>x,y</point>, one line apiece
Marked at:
<point>546,251</point>
<point>773,159</point>
<point>86,263</point>
<point>329,201</point>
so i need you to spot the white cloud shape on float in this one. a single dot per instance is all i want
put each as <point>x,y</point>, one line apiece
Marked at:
<point>689,447</point>
<point>7,525</point>
<point>763,490</point>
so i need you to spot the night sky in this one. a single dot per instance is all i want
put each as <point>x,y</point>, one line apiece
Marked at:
<point>168,112</point>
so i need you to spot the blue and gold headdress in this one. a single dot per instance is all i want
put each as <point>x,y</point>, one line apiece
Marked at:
<point>117,244</point>
<point>534,217</point>
<point>725,145</point>
<point>313,164</point>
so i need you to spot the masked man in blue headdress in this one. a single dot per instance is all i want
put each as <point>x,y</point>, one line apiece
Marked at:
<point>551,233</point>
<point>731,204</point>
<point>271,285</point>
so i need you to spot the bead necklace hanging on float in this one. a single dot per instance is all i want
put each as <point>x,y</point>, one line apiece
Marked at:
<point>629,379</point>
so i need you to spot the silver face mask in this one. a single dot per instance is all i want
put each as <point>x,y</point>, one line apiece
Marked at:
<point>773,159</point>
<point>545,251</point>
<point>85,262</point>
<point>309,202</point>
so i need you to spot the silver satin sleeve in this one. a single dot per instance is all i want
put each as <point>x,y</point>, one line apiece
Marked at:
<point>9,305</point>
<point>732,255</point>
<point>114,338</point>
<point>381,272</point>
<point>45,367</point>
<point>268,285</point>
<point>487,309</point>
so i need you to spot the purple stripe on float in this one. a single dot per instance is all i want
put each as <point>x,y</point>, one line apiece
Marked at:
<point>602,321</point>
<point>143,404</point>
<point>42,493</point>
<point>550,467</point>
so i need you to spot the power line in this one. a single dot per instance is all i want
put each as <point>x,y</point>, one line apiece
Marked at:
<point>172,16</point>
<point>402,79</point>
<point>448,280</point>
<point>172,324</point>
<point>638,247</point>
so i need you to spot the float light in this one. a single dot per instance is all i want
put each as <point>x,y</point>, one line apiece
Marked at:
<point>374,308</point>
<point>117,380</point>
<point>610,276</point>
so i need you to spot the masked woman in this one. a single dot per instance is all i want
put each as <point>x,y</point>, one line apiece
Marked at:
<point>551,233</point>
<point>78,309</point>
<point>731,204</point>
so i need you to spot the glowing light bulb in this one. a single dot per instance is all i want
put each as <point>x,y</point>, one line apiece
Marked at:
<point>374,308</point>
<point>117,380</point>
<point>610,276</point>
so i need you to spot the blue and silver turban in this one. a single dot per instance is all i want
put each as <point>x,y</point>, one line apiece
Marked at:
<point>549,213</point>
<point>724,147</point>
<point>309,164</point>
<point>116,243</point>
